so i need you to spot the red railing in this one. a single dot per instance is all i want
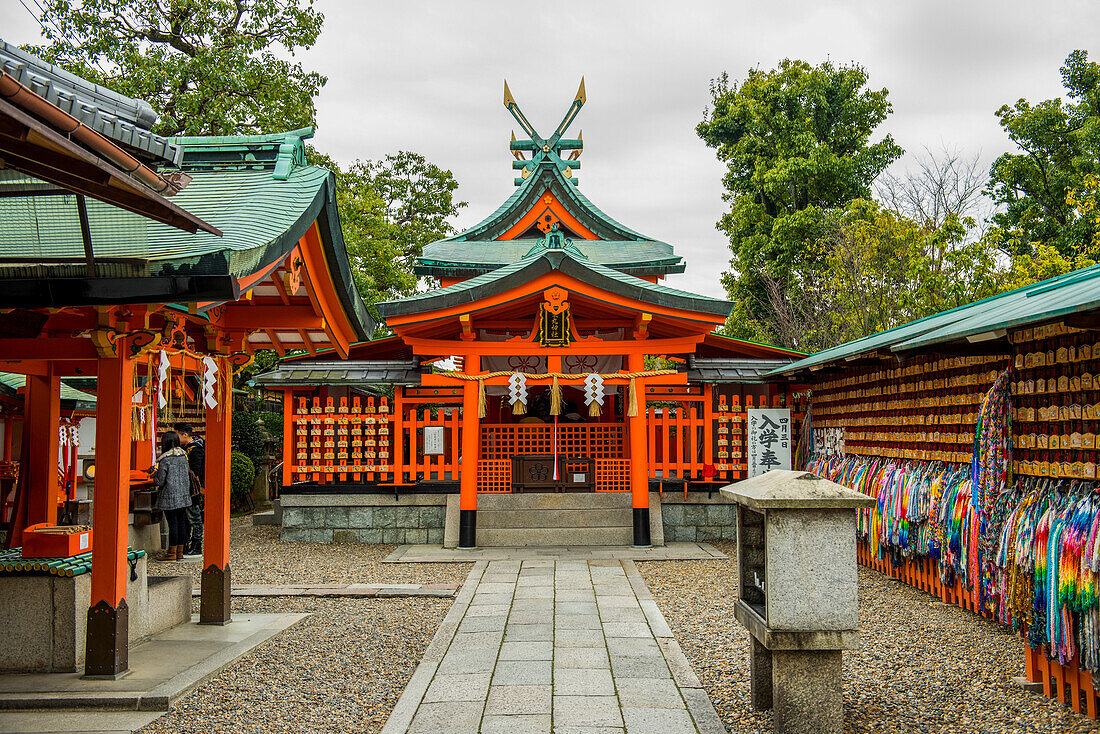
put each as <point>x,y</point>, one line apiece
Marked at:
<point>415,465</point>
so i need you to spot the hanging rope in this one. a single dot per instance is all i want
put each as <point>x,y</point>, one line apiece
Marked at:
<point>555,388</point>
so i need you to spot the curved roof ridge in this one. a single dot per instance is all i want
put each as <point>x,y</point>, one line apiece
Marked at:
<point>478,248</point>
<point>513,274</point>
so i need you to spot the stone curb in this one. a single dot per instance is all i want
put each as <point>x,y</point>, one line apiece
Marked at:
<point>698,702</point>
<point>403,712</point>
<point>160,697</point>
<point>356,591</point>
<point>433,553</point>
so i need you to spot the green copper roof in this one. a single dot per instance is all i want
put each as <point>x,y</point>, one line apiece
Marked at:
<point>522,271</point>
<point>259,191</point>
<point>254,212</point>
<point>986,319</point>
<point>546,164</point>
<point>477,250</point>
<point>10,383</point>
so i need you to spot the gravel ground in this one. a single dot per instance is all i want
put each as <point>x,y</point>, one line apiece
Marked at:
<point>257,556</point>
<point>340,670</point>
<point>922,666</point>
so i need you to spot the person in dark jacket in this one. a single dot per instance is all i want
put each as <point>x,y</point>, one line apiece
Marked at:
<point>196,459</point>
<point>173,485</point>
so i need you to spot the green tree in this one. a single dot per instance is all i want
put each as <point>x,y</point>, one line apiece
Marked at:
<point>881,269</point>
<point>390,209</point>
<point>208,67</point>
<point>797,144</point>
<point>1060,145</point>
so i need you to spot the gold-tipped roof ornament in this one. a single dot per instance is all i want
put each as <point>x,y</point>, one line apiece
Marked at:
<point>548,150</point>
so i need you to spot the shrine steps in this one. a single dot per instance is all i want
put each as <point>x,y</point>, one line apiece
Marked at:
<point>552,519</point>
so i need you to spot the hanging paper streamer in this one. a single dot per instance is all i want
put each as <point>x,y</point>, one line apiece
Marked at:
<point>209,382</point>
<point>162,379</point>
<point>517,393</point>
<point>593,393</point>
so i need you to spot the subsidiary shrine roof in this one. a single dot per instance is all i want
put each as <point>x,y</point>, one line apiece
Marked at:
<point>546,195</point>
<point>258,190</point>
<point>84,218</point>
<point>540,261</point>
<point>1074,296</point>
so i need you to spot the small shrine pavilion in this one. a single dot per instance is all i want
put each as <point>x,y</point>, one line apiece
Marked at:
<point>570,367</point>
<point>152,265</point>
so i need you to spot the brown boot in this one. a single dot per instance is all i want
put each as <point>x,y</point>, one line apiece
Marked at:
<point>169,554</point>
<point>178,550</point>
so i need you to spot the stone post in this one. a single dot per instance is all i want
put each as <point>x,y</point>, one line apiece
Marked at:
<point>797,594</point>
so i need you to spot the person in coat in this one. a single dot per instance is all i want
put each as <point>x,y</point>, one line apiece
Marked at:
<point>173,483</point>
<point>196,458</point>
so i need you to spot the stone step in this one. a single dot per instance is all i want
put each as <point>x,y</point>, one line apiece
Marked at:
<point>553,500</point>
<point>554,518</point>
<point>264,518</point>
<point>540,519</point>
<point>572,536</point>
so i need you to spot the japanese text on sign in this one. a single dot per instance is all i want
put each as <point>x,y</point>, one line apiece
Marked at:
<point>433,440</point>
<point>769,440</point>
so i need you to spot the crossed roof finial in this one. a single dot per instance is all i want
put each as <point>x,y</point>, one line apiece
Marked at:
<point>546,149</point>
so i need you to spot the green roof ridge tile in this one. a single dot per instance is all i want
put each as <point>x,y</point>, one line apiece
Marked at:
<point>947,326</point>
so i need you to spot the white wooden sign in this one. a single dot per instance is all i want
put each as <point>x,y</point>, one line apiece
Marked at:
<point>768,434</point>
<point>433,440</point>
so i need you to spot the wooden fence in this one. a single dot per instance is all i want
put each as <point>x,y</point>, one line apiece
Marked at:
<point>689,437</point>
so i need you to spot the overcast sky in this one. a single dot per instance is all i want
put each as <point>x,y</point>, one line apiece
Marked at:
<point>428,77</point>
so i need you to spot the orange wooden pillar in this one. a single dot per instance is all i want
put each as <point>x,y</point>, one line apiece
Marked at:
<point>42,418</point>
<point>471,430</point>
<point>290,429</point>
<point>214,607</point>
<point>639,462</point>
<point>399,435</point>
<point>107,648</point>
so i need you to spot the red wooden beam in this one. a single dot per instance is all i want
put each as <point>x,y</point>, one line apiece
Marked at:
<point>277,281</point>
<point>682,345</point>
<point>308,342</point>
<point>247,317</point>
<point>45,348</point>
<point>275,343</point>
<point>445,380</point>
<point>321,291</point>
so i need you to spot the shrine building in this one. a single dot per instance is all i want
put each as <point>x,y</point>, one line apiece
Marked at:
<point>148,269</point>
<point>552,360</point>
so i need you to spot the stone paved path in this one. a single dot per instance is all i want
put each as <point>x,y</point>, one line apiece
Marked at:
<point>565,646</point>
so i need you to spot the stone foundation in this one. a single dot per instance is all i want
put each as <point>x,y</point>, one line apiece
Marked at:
<point>698,518</point>
<point>417,518</point>
<point>364,518</point>
<point>45,617</point>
